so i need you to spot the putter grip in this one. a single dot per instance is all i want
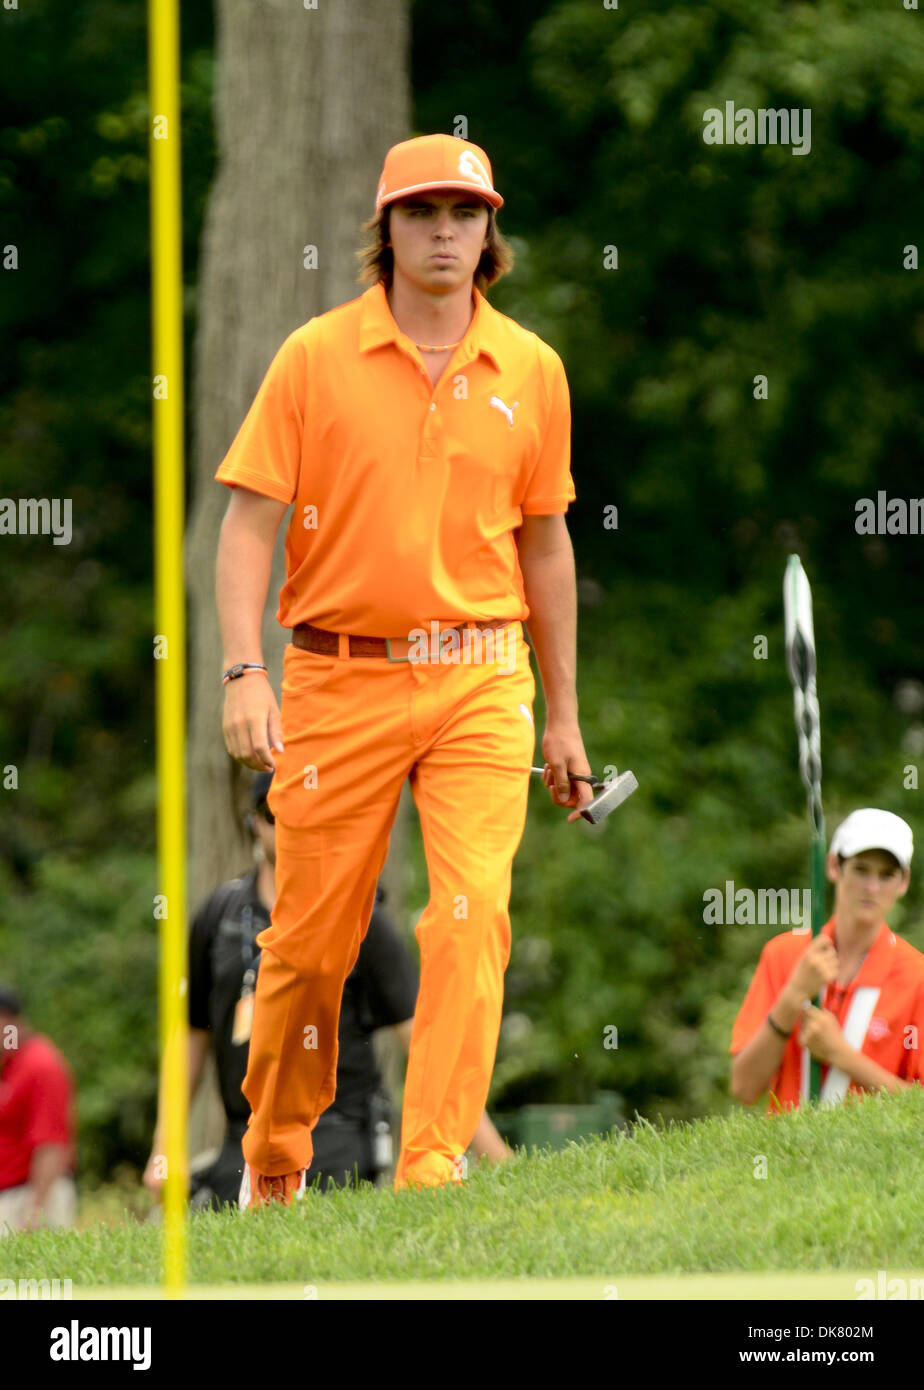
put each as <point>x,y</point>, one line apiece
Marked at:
<point>574,776</point>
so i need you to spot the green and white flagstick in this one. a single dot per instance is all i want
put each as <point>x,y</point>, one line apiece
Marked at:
<point>799,630</point>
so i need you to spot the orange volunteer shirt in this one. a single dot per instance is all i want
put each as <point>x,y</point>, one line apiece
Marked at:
<point>417,489</point>
<point>892,966</point>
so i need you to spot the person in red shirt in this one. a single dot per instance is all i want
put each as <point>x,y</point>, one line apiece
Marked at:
<point>869,1031</point>
<point>37,1126</point>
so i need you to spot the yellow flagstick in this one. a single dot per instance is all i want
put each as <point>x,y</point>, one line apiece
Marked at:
<point>170,617</point>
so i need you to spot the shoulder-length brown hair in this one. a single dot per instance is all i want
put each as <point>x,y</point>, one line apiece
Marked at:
<point>376,259</point>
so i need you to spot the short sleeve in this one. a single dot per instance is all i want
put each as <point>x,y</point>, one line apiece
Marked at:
<point>50,1104</point>
<point>758,1002</point>
<point>550,486</point>
<point>266,452</point>
<point>387,972</point>
<point>913,1069</point>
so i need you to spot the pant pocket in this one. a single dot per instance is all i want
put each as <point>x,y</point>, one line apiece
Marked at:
<point>304,673</point>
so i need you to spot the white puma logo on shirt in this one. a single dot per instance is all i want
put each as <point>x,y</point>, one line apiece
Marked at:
<point>504,409</point>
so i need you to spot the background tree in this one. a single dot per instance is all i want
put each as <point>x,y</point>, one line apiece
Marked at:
<point>305,101</point>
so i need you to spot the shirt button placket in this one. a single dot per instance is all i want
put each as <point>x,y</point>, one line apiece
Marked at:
<point>428,448</point>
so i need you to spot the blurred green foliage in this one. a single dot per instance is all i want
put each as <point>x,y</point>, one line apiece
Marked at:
<point>732,262</point>
<point>81,942</point>
<point>77,864</point>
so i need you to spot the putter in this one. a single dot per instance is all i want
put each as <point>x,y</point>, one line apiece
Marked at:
<point>609,794</point>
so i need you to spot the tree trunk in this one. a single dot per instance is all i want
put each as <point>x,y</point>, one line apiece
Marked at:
<point>306,103</point>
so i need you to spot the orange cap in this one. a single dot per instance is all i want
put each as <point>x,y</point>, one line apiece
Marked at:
<point>436,161</point>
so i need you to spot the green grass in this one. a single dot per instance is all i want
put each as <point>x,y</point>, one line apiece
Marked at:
<point>844,1191</point>
<point>842,1285</point>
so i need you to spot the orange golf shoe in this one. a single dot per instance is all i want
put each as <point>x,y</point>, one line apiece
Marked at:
<point>260,1190</point>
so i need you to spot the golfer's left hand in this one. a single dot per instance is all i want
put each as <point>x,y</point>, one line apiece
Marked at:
<point>821,1034</point>
<point>563,750</point>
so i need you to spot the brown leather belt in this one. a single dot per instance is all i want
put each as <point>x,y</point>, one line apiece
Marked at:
<point>317,639</point>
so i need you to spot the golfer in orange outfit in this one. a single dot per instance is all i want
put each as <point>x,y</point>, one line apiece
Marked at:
<point>423,440</point>
<point>870,1033</point>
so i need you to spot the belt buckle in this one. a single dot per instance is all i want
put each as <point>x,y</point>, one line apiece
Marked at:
<point>434,644</point>
<point>434,651</point>
<point>388,642</point>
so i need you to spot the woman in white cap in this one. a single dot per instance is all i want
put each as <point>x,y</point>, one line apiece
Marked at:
<point>869,1032</point>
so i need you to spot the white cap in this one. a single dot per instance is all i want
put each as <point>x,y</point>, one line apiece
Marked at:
<point>872,829</point>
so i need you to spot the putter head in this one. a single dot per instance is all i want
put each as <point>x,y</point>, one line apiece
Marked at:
<point>606,801</point>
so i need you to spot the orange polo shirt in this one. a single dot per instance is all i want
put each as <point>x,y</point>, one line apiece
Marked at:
<point>406,497</point>
<point>895,1036</point>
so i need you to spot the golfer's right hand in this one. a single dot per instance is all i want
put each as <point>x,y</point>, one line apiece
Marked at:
<point>252,725</point>
<point>816,968</point>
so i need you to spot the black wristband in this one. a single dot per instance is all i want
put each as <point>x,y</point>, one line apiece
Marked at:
<point>242,667</point>
<point>780,1032</point>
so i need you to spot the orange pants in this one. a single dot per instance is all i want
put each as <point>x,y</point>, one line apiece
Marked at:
<point>353,729</point>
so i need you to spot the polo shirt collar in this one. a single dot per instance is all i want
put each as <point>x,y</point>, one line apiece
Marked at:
<point>878,959</point>
<point>377,327</point>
